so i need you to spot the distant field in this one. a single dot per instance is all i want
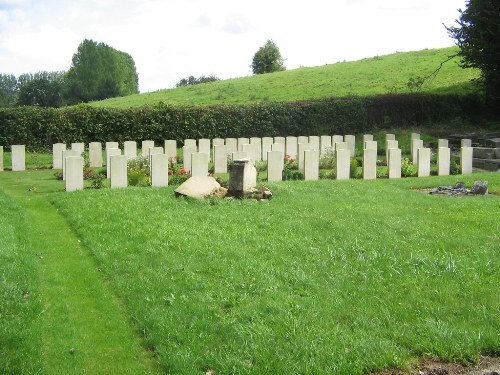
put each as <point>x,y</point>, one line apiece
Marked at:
<point>371,76</point>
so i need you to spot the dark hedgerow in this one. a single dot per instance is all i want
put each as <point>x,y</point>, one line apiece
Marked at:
<point>39,128</point>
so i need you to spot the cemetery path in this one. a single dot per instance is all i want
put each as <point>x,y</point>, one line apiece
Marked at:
<point>85,330</point>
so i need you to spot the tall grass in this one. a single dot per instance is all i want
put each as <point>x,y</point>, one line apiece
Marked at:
<point>340,277</point>
<point>378,75</point>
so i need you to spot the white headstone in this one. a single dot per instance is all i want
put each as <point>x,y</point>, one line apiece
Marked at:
<point>95,154</point>
<point>130,149</point>
<point>231,145</point>
<point>424,162</point>
<point>249,150</point>
<point>371,145</point>
<point>390,143</point>
<point>191,143</point>
<point>74,172</point>
<point>239,155</point>
<point>280,140</point>
<point>351,144</point>
<point>415,136</point>
<point>278,147</point>
<point>302,139</point>
<point>111,152</point>
<point>112,145</point>
<point>257,143</point>
<point>443,143</point>
<point>187,151</point>
<point>343,165</point>
<point>275,165</point>
<point>65,154</point>
<point>218,142</point>
<point>57,149</point>
<point>118,171</point>
<point>220,159</point>
<point>291,147</point>
<point>155,150</point>
<point>79,147</point>
<point>443,161</point>
<point>394,163</point>
<point>18,156</point>
<point>341,146</point>
<point>204,146</point>
<point>311,165</point>
<point>336,139</point>
<point>415,145</point>
<point>390,137</point>
<point>241,142</point>
<point>466,159</point>
<point>267,143</point>
<point>367,137</point>
<point>300,155</point>
<point>466,142</point>
<point>369,163</point>
<point>171,150</point>
<point>326,144</point>
<point>314,142</point>
<point>199,164</point>
<point>145,146</point>
<point>159,170</point>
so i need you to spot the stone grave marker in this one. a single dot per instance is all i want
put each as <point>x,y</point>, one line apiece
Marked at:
<point>466,159</point>
<point>371,145</point>
<point>112,145</point>
<point>325,144</point>
<point>302,139</point>
<point>95,154</point>
<point>390,137</point>
<point>242,176</point>
<point>367,137</point>
<point>311,165</point>
<point>238,155</point>
<point>394,163</point>
<point>18,156</point>
<point>443,161</point>
<point>280,140</point>
<point>257,143</point>
<point>111,152</point>
<point>220,159</point>
<point>231,145</point>
<point>466,142</point>
<point>242,141</point>
<point>415,145</point>
<point>351,144</point>
<point>424,162</point>
<point>443,143</point>
<point>187,151</point>
<point>199,162</point>
<point>145,146</point>
<point>57,149</point>
<point>159,170</point>
<point>130,149</point>
<point>1,158</point>
<point>300,155</point>
<point>65,154</point>
<point>74,171</point>
<point>343,165</point>
<point>118,171</point>
<point>171,150</point>
<point>415,136</point>
<point>191,143</point>
<point>370,163</point>
<point>391,143</point>
<point>204,146</point>
<point>336,139</point>
<point>291,147</point>
<point>79,147</point>
<point>250,150</point>
<point>275,164</point>
<point>267,143</point>
<point>278,147</point>
<point>314,142</point>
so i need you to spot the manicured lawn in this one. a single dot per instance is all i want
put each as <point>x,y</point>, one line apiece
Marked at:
<point>340,277</point>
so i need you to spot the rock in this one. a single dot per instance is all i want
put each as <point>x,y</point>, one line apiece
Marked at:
<point>479,188</point>
<point>459,185</point>
<point>220,192</point>
<point>199,187</point>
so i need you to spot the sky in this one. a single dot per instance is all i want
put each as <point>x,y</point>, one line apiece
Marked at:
<point>173,39</point>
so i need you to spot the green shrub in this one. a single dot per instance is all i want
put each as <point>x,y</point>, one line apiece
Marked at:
<point>138,171</point>
<point>408,169</point>
<point>327,161</point>
<point>354,169</point>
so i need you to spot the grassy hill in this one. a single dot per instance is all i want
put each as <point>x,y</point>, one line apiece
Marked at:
<point>370,76</point>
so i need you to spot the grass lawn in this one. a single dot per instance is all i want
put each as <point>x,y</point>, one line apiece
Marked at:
<point>341,277</point>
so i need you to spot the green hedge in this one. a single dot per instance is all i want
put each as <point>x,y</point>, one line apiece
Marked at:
<point>39,128</point>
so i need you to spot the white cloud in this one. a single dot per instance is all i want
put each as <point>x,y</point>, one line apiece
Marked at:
<point>173,39</point>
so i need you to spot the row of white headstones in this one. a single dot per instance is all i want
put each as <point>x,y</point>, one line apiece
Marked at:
<point>197,155</point>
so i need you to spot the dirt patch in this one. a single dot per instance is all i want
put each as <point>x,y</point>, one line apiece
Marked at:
<point>485,366</point>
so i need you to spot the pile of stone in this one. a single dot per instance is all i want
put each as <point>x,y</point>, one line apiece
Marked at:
<point>479,188</point>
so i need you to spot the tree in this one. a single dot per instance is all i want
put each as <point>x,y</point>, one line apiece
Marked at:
<point>8,90</point>
<point>42,89</point>
<point>192,80</point>
<point>99,71</point>
<point>267,59</point>
<point>478,36</point>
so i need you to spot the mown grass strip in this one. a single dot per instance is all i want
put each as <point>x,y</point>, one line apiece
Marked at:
<point>83,329</point>
<point>340,277</point>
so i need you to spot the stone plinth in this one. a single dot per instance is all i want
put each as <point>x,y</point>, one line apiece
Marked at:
<point>275,165</point>
<point>118,171</point>
<point>343,165</point>
<point>57,149</point>
<point>159,170</point>
<point>311,165</point>
<point>370,163</point>
<point>242,176</point>
<point>18,155</point>
<point>95,154</point>
<point>74,172</point>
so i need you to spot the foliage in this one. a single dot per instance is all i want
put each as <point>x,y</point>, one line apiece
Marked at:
<point>177,174</point>
<point>261,166</point>
<point>291,169</point>
<point>355,170</point>
<point>268,59</point>
<point>9,89</point>
<point>42,89</point>
<point>138,171</point>
<point>477,35</point>
<point>99,71</point>
<point>327,160</point>
<point>192,80</point>
<point>408,169</point>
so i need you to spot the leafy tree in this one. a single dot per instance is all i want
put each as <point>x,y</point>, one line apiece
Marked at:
<point>8,90</point>
<point>478,36</point>
<point>267,59</point>
<point>99,71</point>
<point>192,80</point>
<point>41,89</point>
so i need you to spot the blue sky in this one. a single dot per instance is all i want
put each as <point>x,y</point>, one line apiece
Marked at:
<point>172,39</point>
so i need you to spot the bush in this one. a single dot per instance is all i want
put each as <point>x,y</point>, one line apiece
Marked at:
<point>138,172</point>
<point>327,161</point>
<point>407,168</point>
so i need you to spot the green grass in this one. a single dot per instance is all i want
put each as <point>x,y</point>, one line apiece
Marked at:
<point>340,277</point>
<point>371,76</point>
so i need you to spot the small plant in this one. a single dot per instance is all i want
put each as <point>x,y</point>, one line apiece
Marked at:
<point>327,161</point>
<point>177,175</point>
<point>354,170</point>
<point>327,174</point>
<point>96,181</point>
<point>291,169</point>
<point>138,172</point>
<point>407,168</point>
<point>58,175</point>
<point>455,168</point>
<point>261,166</point>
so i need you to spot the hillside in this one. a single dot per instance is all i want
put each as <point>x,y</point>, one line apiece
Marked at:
<point>370,76</point>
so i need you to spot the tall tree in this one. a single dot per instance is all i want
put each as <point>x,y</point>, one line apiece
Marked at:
<point>99,71</point>
<point>478,36</point>
<point>8,90</point>
<point>267,59</point>
<point>41,89</point>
